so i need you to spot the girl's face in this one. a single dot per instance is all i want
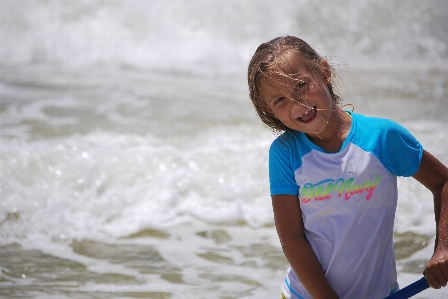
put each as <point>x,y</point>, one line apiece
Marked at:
<point>301,101</point>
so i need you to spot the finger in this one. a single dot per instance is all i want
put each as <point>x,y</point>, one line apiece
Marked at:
<point>433,281</point>
<point>443,269</point>
<point>429,283</point>
<point>438,274</point>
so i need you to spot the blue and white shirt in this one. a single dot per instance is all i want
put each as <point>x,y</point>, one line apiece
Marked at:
<point>348,201</point>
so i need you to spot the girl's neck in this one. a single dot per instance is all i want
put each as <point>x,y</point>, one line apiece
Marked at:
<point>333,137</point>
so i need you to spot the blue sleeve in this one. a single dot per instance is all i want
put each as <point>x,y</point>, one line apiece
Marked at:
<point>281,174</point>
<point>398,150</point>
<point>404,152</point>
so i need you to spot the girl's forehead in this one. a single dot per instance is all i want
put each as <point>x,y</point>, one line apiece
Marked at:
<point>279,79</point>
<point>276,81</point>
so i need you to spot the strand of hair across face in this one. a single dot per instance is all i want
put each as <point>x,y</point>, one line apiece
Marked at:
<point>305,98</point>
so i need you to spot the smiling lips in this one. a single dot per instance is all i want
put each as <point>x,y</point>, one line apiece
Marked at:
<point>308,115</point>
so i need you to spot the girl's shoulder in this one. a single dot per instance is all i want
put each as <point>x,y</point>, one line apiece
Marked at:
<point>398,150</point>
<point>373,122</point>
<point>371,128</point>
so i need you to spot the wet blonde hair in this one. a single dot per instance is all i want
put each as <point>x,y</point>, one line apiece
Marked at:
<point>277,56</point>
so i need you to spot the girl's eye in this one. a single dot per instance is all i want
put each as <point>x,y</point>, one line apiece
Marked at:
<point>278,101</point>
<point>300,85</point>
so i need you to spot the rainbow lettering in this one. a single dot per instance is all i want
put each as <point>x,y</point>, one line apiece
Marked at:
<point>325,189</point>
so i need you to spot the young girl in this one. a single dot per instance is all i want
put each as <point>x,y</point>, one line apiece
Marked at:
<point>333,180</point>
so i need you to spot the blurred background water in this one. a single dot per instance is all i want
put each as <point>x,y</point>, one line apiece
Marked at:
<point>132,164</point>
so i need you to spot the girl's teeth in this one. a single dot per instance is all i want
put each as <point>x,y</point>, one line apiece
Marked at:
<point>307,112</point>
<point>305,115</point>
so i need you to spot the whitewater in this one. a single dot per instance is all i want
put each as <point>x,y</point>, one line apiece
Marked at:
<point>132,164</point>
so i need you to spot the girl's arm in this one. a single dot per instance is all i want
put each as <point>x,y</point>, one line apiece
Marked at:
<point>290,229</point>
<point>434,176</point>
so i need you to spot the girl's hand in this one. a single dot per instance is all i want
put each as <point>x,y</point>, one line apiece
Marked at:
<point>436,271</point>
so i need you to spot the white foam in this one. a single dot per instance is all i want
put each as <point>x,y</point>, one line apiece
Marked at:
<point>213,36</point>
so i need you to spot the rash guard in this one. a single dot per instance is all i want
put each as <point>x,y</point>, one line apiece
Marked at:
<point>348,201</point>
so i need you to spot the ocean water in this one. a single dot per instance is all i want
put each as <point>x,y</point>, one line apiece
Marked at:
<point>132,164</point>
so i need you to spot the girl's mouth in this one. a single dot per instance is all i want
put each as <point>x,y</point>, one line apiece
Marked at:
<point>308,116</point>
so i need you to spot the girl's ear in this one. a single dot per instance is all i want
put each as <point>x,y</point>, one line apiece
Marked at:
<point>326,71</point>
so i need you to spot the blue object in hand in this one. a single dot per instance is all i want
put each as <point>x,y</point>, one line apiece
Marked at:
<point>411,290</point>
